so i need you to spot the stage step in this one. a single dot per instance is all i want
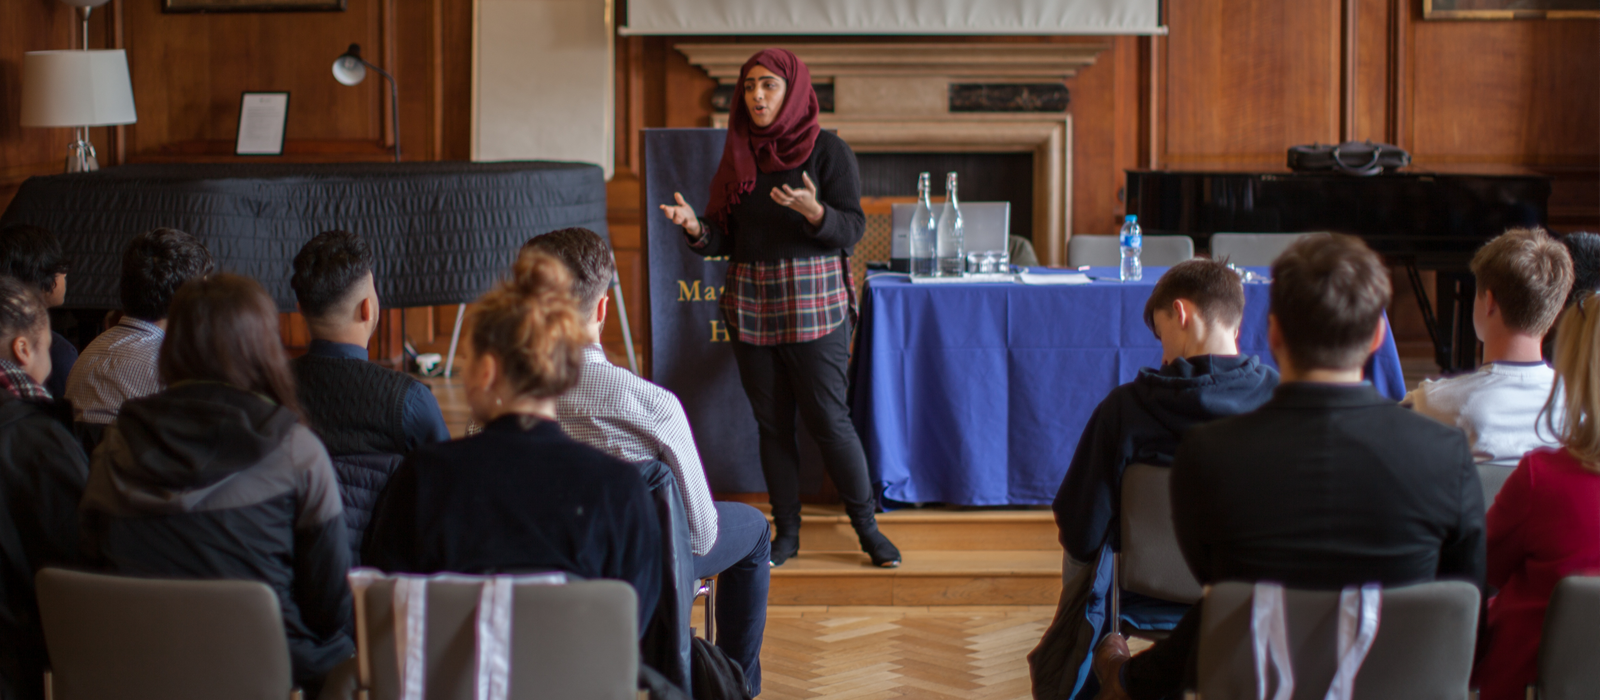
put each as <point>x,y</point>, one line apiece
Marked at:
<point>827,528</point>
<point>996,577</point>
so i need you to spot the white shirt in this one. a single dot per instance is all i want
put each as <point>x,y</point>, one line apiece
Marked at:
<point>633,420</point>
<point>117,366</point>
<point>1497,406</point>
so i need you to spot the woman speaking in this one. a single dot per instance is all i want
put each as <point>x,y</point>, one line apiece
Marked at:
<point>786,206</point>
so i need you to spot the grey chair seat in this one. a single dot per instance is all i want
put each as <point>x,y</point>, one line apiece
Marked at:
<point>1493,477</point>
<point>1106,251</point>
<point>1422,651</point>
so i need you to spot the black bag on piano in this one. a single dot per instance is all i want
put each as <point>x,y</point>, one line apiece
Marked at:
<point>1351,158</point>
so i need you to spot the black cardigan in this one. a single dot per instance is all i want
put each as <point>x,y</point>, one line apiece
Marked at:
<point>761,230</point>
<point>513,499</point>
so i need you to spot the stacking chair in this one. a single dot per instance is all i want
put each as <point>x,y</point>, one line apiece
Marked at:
<point>567,639</point>
<point>1422,650</point>
<point>1150,562</point>
<point>666,640</point>
<point>1493,477</point>
<point>1567,668</point>
<point>1106,251</point>
<point>1251,249</point>
<point>149,639</point>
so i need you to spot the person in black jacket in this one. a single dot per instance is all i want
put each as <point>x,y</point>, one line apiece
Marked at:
<point>42,472</point>
<point>33,256</point>
<point>786,208</point>
<point>216,477</point>
<point>520,496</point>
<point>367,416</point>
<point>1325,486</point>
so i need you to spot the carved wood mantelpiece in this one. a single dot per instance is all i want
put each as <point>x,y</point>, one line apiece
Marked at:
<point>896,98</point>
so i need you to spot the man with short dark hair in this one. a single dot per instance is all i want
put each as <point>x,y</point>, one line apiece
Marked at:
<point>1328,484</point>
<point>1523,278</point>
<point>366,415</point>
<point>33,256</point>
<point>120,364</point>
<point>636,421</point>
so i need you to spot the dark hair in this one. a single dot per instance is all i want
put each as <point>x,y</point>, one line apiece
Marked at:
<point>530,323</point>
<point>1208,284</point>
<point>22,310</point>
<point>32,255</point>
<point>224,328</point>
<point>154,265</point>
<point>1584,247</point>
<point>327,269</point>
<point>1329,291</point>
<point>1530,275</point>
<point>588,258</point>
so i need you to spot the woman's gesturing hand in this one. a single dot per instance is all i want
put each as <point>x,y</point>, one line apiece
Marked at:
<point>803,200</point>
<point>683,215</point>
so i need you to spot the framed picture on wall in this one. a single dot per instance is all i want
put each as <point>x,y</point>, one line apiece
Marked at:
<point>252,5</point>
<point>1511,9</point>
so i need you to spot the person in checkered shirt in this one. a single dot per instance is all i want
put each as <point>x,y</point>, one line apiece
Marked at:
<point>636,421</point>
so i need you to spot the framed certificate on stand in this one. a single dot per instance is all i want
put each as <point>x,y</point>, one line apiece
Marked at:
<point>263,117</point>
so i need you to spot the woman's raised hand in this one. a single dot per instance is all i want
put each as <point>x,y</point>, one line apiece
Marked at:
<point>803,200</point>
<point>683,215</point>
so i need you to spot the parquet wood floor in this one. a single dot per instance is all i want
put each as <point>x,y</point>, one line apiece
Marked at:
<point>871,653</point>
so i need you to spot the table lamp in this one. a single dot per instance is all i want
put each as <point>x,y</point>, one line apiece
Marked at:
<point>350,69</point>
<point>77,89</point>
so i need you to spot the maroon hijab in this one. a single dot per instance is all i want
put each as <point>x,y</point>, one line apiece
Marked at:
<point>782,145</point>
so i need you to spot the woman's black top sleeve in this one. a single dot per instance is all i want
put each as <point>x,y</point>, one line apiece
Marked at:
<point>761,230</point>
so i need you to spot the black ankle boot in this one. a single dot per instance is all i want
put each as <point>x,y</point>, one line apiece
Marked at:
<point>873,542</point>
<point>786,540</point>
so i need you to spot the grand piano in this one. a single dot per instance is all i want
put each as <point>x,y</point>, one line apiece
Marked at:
<point>1416,219</point>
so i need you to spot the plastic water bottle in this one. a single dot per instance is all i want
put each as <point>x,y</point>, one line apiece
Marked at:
<point>951,246</point>
<point>1132,244</point>
<point>924,232</point>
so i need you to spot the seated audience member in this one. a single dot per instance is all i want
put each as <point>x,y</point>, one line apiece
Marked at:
<point>636,421</point>
<point>367,416</point>
<point>1328,484</point>
<point>1523,277</point>
<point>33,256</point>
<point>120,364</point>
<point>520,496</point>
<point>1584,247</point>
<point>216,478</point>
<point>42,471</point>
<point>1545,523</point>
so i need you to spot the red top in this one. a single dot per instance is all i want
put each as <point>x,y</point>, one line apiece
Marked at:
<point>1544,525</point>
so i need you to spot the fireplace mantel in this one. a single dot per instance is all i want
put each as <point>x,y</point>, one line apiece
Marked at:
<point>896,98</point>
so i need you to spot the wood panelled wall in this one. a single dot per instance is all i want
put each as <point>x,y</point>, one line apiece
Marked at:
<point>1233,84</point>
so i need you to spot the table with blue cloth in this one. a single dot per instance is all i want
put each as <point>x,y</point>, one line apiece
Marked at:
<point>975,394</point>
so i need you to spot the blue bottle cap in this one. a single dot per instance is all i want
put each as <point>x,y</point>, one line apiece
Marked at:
<point>1131,218</point>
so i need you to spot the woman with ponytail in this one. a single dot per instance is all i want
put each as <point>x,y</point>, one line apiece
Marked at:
<point>786,206</point>
<point>520,496</point>
<point>1545,522</point>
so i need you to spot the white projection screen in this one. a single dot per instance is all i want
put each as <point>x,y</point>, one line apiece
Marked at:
<point>909,17</point>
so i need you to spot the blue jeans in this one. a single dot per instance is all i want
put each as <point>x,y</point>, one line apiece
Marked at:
<point>741,561</point>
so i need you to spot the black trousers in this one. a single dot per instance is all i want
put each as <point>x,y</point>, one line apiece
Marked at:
<point>809,380</point>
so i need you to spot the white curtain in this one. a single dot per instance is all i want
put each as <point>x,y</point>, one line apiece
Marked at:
<point>912,17</point>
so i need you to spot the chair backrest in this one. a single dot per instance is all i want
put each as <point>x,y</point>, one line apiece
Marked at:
<point>1251,249</point>
<point>1493,477</point>
<point>1567,668</point>
<point>666,639</point>
<point>572,640</point>
<point>1106,251</point>
<point>1151,563</point>
<point>1423,649</point>
<point>138,639</point>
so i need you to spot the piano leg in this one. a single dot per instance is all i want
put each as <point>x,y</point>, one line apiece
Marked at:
<point>1458,350</point>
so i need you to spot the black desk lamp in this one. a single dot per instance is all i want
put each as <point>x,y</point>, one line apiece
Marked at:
<point>351,69</point>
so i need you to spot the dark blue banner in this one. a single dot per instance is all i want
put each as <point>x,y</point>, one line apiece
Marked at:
<point>689,344</point>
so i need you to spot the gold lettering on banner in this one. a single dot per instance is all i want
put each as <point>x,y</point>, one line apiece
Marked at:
<point>717,258</point>
<point>712,292</point>
<point>688,293</point>
<point>719,332</point>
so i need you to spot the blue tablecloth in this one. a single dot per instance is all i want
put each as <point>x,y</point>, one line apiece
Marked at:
<point>975,394</point>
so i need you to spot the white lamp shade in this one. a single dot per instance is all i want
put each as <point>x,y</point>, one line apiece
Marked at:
<point>76,88</point>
